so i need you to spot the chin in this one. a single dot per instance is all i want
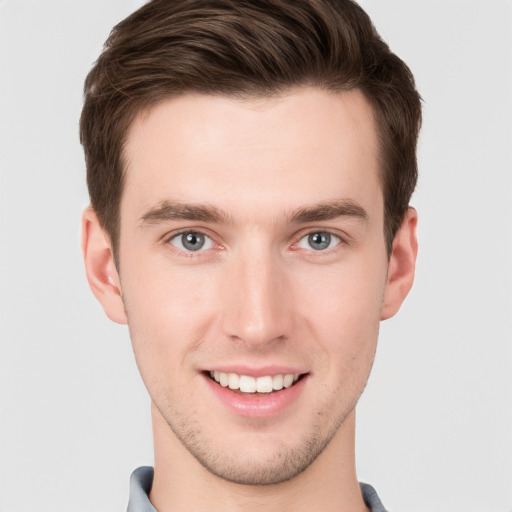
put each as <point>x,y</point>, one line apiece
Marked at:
<point>254,459</point>
<point>282,466</point>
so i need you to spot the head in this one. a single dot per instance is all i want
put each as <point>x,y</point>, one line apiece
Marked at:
<point>250,166</point>
<point>245,49</point>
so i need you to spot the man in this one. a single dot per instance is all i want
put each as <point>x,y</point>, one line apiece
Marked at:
<point>250,166</point>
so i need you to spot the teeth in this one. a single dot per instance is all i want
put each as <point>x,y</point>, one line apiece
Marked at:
<point>288,380</point>
<point>248,384</point>
<point>233,381</point>
<point>264,385</point>
<point>277,382</point>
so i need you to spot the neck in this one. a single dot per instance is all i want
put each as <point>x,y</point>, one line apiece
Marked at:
<point>182,484</point>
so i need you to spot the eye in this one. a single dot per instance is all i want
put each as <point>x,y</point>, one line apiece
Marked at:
<point>191,241</point>
<point>319,241</point>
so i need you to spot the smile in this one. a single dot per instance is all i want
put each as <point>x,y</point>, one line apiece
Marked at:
<point>249,384</point>
<point>260,393</point>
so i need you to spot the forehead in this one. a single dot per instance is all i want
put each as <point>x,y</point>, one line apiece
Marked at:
<point>268,154</point>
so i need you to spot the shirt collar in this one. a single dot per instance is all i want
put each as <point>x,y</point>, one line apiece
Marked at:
<point>142,479</point>
<point>140,486</point>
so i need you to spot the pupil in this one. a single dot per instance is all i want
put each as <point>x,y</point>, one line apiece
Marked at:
<point>193,241</point>
<point>319,241</point>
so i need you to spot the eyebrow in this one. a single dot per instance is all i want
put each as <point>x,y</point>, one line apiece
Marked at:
<point>168,210</point>
<point>329,211</point>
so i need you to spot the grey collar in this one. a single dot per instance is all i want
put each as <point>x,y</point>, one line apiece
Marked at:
<point>142,479</point>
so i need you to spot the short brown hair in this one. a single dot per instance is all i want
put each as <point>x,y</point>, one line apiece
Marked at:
<point>245,48</point>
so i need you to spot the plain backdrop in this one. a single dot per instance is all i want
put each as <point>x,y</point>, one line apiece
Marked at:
<point>435,423</point>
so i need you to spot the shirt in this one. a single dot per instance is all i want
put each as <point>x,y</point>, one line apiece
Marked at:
<point>142,479</point>
<point>140,485</point>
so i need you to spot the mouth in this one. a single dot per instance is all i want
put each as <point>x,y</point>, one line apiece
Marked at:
<point>249,384</point>
<point>260,393</point>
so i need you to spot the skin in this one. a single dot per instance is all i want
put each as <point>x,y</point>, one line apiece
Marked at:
<point>257,294</point>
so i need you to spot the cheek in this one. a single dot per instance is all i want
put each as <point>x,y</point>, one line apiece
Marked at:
<point>342,299</point>
<point>168,313</point>
<point>343,316</point>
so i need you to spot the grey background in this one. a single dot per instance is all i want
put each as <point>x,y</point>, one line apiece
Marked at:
<point>435,423</point>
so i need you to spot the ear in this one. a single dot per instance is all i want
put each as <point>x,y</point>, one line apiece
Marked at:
<point>402,264</point>
<point>100,267</point>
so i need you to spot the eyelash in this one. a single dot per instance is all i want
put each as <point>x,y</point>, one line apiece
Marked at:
<point>332,237</point>
<point>294,246</point>
<point>188,253</point>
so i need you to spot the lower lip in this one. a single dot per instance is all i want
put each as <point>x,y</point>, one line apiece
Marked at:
<point>257,405</point>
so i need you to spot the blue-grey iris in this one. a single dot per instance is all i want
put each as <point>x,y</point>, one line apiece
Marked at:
<point>319,241</point>
<point>192,241</point>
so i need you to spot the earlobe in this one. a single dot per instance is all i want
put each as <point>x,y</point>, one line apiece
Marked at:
<point>100,267</point>
<point>402,264</point>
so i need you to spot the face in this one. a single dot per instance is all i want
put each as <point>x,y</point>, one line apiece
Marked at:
<point>253,273</point>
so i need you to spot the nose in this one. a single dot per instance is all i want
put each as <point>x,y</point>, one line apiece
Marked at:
<point>257,300</point>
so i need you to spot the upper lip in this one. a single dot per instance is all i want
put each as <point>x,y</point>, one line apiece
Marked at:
<point>252,371</point>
